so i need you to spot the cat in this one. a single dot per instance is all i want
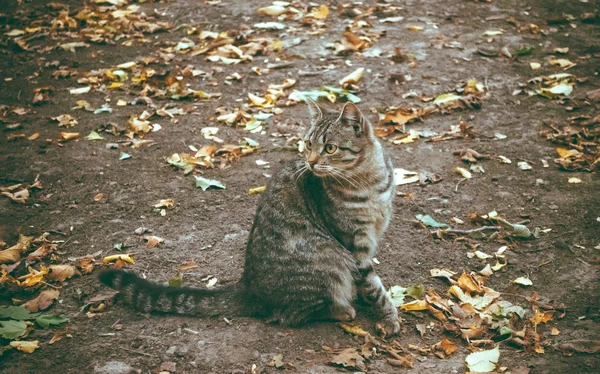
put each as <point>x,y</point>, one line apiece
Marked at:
<point>316,230</point>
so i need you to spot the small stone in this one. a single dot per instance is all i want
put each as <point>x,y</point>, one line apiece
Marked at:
<point>171,351</point>
<point>168,366</point>
<point>553,207</point>
<point>115,367</point>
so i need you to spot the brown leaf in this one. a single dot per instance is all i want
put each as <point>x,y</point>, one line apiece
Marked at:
<point>42,302</point>
<point>404,361</point>
<point>349,357</point>
<point>62,272</point>
<point>60,335</point>
<point>446,346</point>
<point>152,241</point>
<point>580,346</point>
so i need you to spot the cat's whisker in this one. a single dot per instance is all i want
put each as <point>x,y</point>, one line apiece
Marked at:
<point>355,183</point>
<point>338,173</point>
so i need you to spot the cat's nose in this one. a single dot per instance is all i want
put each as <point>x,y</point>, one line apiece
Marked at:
<point>312,159</point>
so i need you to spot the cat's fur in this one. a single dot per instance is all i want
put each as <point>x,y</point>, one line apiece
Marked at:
<point>314,236</point>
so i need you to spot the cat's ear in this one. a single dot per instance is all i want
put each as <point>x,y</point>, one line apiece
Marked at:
<point>352,116</point>
<point>316,113</point>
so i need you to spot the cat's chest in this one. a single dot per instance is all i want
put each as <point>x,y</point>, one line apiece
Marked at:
<point>370,216</point>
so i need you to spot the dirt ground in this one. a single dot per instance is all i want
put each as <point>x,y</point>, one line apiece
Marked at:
<point>210,227</point>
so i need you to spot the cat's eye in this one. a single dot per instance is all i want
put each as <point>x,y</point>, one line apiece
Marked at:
<point>308,144</point>
<point>330,148</point>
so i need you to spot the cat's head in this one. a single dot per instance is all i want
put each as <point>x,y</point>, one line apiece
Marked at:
<point>336,141</point>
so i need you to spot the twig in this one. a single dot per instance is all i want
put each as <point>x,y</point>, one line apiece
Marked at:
<point>467,232</point>
<point>139,353</point>
<point>583,262</point>
<point>544,263</point>
<point>459,182</point>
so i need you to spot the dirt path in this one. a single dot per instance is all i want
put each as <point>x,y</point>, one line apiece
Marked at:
<point>96,193</point>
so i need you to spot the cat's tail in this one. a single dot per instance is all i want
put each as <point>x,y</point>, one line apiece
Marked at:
<point>147,297</point>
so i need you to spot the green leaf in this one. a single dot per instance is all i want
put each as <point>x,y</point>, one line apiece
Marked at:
<point>94,136</point>
<point>415,291</point>
<point>17,312</point>
<point>124,156</point>
<point>12,329</point>
<point>429,221</point>
<point>206,183</point>
<point>524,51</point>
<point>176,281</point>
<point>46,320</point>
<point>119,246</point>
<point>397,293</point>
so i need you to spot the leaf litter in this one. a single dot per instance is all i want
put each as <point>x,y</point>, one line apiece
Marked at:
<point>143,78</point>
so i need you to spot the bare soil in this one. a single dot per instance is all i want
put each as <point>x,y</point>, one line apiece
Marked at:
<point>211,226</point>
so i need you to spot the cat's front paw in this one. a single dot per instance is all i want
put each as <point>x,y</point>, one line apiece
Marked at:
<point>388,327</point>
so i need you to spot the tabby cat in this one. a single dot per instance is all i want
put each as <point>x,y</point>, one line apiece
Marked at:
<point>311,247</point>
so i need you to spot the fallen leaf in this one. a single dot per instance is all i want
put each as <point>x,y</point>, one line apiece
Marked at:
<point>415,305</point>
<point>349,357</point>
<point>25,346</point>
<point>397,294</point>
<point>257,190</point>
<point>123,257</point>
<point>430,222</point>
<point>580,346</point>
<point>353,328</point>
<point>61,272</point>
<point>98,197</point>
<point>523,281</point>
<point>42,302</point>
<point>152,241</point>
<point>464,172</point>
<point>69,135</point>
<point>483,361</point>
<point>402,176</point>
<point>12,329</point>
<point>205,183</point>
<point>351,79</point>
<point>574,180</point>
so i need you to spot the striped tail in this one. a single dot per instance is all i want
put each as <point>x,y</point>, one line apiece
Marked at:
<point>146,296</point>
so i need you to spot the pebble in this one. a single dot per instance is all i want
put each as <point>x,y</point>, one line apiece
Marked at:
<point>115,367</point>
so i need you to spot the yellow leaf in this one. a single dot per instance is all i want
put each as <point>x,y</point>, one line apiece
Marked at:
<point>257,190</point>
<point>165,203</point>
<point>353,328</point>
<point>320,13</point>
<point>574,180</point>
<point>126,258</point>
<point>415,305</point>
<point>467,283</point>
<point>34,277</point>
<point>562,62</point>
<point>69,135</point>
<point>414,28</point>
<point>535,65</point>
<point>25,346</point>
<point>464,172</point>
<point>98,197</point>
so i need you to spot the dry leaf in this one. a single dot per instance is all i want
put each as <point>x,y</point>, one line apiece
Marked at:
<point>152,241</point>
<point>42,302</point>
<point>128,258</point>
<point>62,272</point>
<point>353,328</point>
<point>25,346</point>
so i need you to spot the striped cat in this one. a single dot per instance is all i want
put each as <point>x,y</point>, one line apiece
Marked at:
<point>311,247</point>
